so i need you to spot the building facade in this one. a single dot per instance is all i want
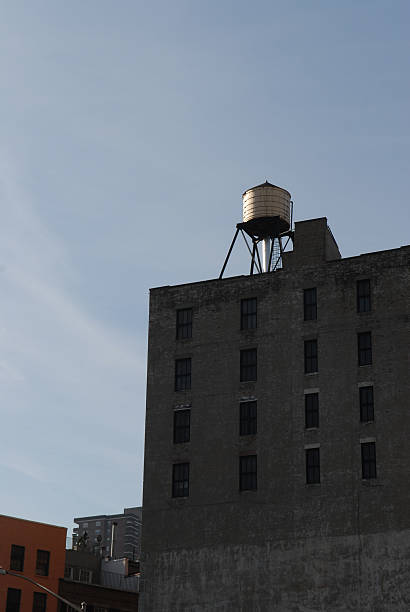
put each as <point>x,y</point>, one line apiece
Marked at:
<point>99,531</point>
<point>276,455</point>
<point>105,585</point>
<point>35,551</point>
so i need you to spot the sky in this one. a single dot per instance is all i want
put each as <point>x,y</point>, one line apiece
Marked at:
<point>128,132</point>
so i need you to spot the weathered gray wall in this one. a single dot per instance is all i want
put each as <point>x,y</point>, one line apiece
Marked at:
<point>340,545</point>
<point>331,574</point>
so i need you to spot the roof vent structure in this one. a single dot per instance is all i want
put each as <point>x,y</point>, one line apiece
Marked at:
<point>267,220</point>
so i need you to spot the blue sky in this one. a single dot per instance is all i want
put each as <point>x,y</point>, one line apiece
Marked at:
<point>129,131</point>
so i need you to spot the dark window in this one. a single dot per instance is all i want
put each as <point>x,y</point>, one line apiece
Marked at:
<point>248,313</point>
<point>368,460</point>
<point>248,364</point>
<point>184,323</point>
<point>17,558</point>
<point>247,418</point>
<point>39,602</point>
<point>312,465</point>
<point>13,600</point>
<point>180,480</point>
<point>366,404</point>
<point>182,420</point>
<point>364,346</point>
<point>311,410</point>
<point>310,356</point>
<point>363,295</point>
<point>43,562</point>
<point>310,304</point>
<point>248,473</point>
<point>182,374</point>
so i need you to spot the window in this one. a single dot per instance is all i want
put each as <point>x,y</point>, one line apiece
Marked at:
<point>13,600</point>
<point>17,558</point>
<point>247,418</point>
<point>311,363</point>
<point>368,460</point>
<point>366,404</point>
<point>180,480</point>
<point>184,323</point>
<point>363,295</point>
<point>39,602</point>
<point>85,575</point>
<point>248,313</point>
<point>98,523</point>
<point>311,410</point>
<point>182,374</point>
<point>310,304</point>
<point>182,419</point>
<point>248,365</point>
<point>312,465</point>
<point>248,473</point>
<point>364,347</point>
<point>43,562</point>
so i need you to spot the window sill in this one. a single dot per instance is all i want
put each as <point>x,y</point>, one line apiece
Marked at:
<point>371,482</point>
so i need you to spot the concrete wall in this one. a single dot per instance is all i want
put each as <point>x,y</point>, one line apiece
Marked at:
<point>340,545</point>
<point>331,574</point>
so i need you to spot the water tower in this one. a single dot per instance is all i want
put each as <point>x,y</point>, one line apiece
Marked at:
<point>267,221</point>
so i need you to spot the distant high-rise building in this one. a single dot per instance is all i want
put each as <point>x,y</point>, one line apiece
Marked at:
<point>115,535</point>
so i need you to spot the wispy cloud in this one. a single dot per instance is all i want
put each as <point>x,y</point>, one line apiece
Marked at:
<point>63,372</point>
<point>23,464</point>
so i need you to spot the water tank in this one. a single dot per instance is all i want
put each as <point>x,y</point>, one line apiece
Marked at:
<point>267,201</point>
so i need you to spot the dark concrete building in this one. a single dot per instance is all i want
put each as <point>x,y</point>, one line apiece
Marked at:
<point>277,463</point>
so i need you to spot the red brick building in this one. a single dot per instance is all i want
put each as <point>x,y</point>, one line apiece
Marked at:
<point>34,550</point>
